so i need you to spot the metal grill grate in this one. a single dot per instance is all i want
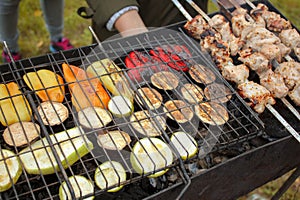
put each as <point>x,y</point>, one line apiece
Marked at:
<point>242,124</point>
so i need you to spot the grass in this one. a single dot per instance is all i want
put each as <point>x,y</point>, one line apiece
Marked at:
<point>34,41</point>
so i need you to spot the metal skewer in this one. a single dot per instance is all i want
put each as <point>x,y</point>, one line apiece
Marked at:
<point>269,107</point>
<point>290,129</point>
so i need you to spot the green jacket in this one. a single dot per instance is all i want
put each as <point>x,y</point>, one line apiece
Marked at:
<point>155,13</point>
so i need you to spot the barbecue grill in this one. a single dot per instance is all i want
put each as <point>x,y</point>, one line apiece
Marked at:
<point>224,151</point>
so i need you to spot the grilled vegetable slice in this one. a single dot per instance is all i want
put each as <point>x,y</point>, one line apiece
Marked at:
<point>212,113</point>
<point>10,169</point>
<point>150,96</point>
<point>120,106</point>
<point>48,85</point>
<point>178,110</point>
<point>185,144</point>
<point>80,185</point>
<point>192,93</point>
<point>202,74</point>
<point>108,174</point>
<point>94,117</point>
<point>86,90</point>
<point>217,92</point>
<point>112,77</point>
<point>70,145</point>
<point>146,124</point>
<point>114,140</point>
<point>149,155</point>
<point>21,133</point>
<point>53,113</point>
<point>14,106</point>
<point>165,80</point>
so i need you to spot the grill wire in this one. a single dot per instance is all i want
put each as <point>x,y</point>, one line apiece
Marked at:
<point>241,126</point>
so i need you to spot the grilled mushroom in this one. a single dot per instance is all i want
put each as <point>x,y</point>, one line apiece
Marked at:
<point>146,124</point>
<point>178,110</point>
<point>165,80</point>
<point>192,93</point>
<point>53,113</point>
<point>202,74</point>
<point>149,96</point>
<point>114,140</point>
<point>212,113</point>
<point>94,117</point>
<point>21,133</point>
<point>217,92</point>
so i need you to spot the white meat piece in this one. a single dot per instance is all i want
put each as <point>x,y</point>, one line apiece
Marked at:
<point>255,61</point>
<point>219,23</point>
<point>258,95</point>
<point>290,71</point>
<point>274,83</point>
<point>196,26</point>
<point>290,37</point>
<point>295,94</point>
<point>271,51</point>
<point>236,73</point>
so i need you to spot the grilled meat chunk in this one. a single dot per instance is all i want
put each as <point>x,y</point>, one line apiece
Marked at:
<point>290,71</point>
<point>236,73</point>
<point>258,95</point>
<point>274,83</point>
<point>295,94</point>
<point>196,26</point>
<point>291,38</point>
<point>255,61</point>
<point>274,21</point>
<point>219,23</point>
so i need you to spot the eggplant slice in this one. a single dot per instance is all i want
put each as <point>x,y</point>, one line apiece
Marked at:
<point>113,140</point>
<point>149,98</point>
<point>192,93</point>
<point>21,133</point>
<point>165,80</point>
<point>94,117</point>
<point>53,113</point>
<point>218,93</point>
<point>202,74</point>
<point>178,110</point>
<point>212,113</point>
<point>146,124</point>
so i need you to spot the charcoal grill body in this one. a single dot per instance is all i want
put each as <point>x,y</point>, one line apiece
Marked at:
<point>228,180</point>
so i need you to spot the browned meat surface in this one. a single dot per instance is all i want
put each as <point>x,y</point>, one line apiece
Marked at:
<point>295,94</point>
<point>290,71</point>
<point>236,73</point>
<point>257,95</point>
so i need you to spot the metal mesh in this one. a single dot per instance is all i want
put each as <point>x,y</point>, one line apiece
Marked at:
<point>240,125</point>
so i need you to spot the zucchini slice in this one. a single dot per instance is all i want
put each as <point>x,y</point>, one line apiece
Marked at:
<point>81,186</point>
<point>94,117</point>
<point>108,174</point>
<point>120,106</point>
<point>10,169</point>
<point>151,154</point>
<point>185,144</point>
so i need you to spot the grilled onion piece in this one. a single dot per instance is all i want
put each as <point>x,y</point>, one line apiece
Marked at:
<point>165,80</point>
<point>146,125</point>
<point>192,93</point>
<point>94,117</point>
<point>53,113</point>
<point>114,140</point>
<point>10,169</point>
<point>212,113</point>
<point>217,92</point>
<point>149,96</point>
<point>81,186</point>
<point>202,74</point>
<point>178,110</point>
<point>21,133</point>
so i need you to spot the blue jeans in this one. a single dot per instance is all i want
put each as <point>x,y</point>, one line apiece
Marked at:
<point>9,13</point>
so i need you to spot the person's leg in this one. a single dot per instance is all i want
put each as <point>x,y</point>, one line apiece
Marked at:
<point>54,18</point>
<point>9,11</point>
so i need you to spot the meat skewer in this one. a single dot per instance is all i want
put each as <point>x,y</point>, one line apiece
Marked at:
<point>250,90</point>
<point>274,22</point>
<point>273,81</point>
